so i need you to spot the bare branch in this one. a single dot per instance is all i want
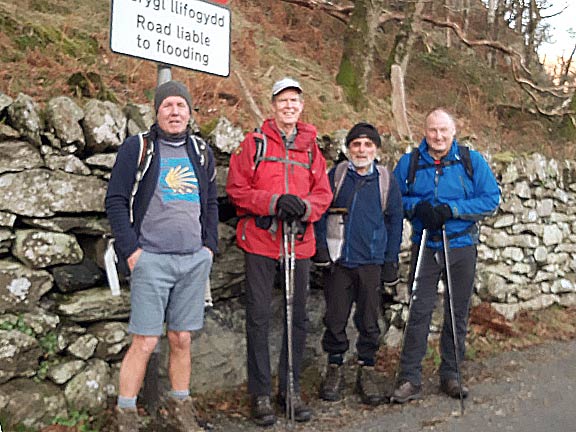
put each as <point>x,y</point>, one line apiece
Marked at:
<point>341,13</point>
<point>556,92</point>
<point>256,113</point>
<point>557,112</point>
<point>389,16</point>
<point>479,42</point>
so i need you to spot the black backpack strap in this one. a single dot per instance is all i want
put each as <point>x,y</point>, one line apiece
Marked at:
<point>261,144</point>
<point>144,159</point>
<point>413,166</point>
<point>466,160</point>
<point>260,155</point>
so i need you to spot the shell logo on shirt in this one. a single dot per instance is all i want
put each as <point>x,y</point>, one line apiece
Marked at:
<point>178,180</point>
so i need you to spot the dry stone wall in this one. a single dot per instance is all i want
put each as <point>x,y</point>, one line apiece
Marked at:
<point>62,335</point>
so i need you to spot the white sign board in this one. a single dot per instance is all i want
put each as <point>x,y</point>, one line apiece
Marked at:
<point>192,34</point>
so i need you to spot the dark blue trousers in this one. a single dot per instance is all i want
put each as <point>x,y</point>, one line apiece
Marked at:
<point>462,269</point>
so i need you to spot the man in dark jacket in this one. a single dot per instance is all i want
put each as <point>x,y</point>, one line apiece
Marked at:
<point>285,184</point>
<point>168,234</point>
<point>367,206</point>
<point>442,193</point>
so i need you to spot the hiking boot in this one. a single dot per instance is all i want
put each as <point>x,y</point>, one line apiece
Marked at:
<point>262,412</point>
<point>367,386</point>
<point>451,387</point>
<point>181,415</point>
<point>406,391</point>
<point>302,412</point>
<point>126,419</point>
<point>333,383</point>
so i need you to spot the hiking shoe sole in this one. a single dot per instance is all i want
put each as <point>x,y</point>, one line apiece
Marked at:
<point>264,422</point>
<point>415,396</point>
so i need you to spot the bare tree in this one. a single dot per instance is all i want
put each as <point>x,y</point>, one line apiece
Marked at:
<point>358,54</point>
<point>512,11</point>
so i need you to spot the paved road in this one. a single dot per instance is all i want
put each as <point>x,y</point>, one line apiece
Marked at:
<point>526,391</point>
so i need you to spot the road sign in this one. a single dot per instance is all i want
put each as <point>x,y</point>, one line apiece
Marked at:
<point>193,34</point>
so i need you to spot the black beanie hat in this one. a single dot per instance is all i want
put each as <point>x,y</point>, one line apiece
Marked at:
<point>360,130</point>
<point>171,88</point>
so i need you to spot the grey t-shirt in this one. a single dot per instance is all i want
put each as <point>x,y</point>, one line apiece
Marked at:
<point>172,222</point>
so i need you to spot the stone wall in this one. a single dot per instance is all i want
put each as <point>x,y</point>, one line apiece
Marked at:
<point>62,334</point>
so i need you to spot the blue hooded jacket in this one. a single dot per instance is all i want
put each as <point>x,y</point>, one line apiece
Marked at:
<point>470,199</point>
<point>370,237</point>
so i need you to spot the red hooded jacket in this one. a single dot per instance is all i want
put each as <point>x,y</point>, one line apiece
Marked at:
<point>255,191</point>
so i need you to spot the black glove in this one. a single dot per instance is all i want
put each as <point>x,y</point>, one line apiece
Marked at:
<point>425,212</point>
<point>443,213</point>
<point>290,208</point>
<point>390,273</point>
<point>321,258</point>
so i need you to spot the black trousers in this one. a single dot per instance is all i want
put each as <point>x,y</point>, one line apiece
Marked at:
<point>342,287</point>
<point>260,275</point>
<point>462,270</point>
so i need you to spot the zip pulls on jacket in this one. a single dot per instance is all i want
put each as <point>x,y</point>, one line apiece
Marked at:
<point>351,206</point>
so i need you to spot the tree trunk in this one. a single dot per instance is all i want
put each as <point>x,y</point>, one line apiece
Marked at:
<point>406,37</point>
<point>568,128</point>
<point>567,64</point>
<point>530,32</point>
<point>358,54</point>
<point>466,16</point>
<point>519,7</point>
<point>410,31</point>
<point>448,7</point>
<point>399,103</point>
<point>491,24</point>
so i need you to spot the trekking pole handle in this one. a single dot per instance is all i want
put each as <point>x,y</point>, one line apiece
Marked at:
<point>419,259</point>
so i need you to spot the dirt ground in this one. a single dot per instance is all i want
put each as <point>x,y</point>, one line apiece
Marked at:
<point>520,373</point>
<point>525,391</point>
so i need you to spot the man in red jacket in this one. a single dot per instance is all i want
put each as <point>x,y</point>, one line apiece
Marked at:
<point>286,182</point>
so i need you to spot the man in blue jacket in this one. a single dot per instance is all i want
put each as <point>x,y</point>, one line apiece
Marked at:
<point>167,232</point>
<point>450,188</point>
<point>367,207</point>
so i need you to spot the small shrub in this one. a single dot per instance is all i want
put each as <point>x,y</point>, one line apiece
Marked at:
<point>78,419</point>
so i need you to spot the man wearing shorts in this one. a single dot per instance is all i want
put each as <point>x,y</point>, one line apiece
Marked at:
<point>168,235</point>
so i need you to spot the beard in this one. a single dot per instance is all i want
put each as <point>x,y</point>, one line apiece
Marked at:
<point>361,163</point>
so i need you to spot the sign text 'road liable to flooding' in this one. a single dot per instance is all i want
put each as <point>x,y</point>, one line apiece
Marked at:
<point>193,34</point>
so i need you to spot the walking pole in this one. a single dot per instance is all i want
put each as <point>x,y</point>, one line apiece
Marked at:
<point>451,304</point>
<point>412,295</point>
<point>289,264</point>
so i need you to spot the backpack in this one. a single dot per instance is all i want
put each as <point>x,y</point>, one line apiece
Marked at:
<point>463,158</point>
<point>262,145</point>
<point>335,217</point>
<point>383,181</point>
<point>145,158</point>
<point>145,155</point>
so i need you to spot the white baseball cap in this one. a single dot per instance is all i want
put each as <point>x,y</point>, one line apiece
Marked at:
<point>285,83</point>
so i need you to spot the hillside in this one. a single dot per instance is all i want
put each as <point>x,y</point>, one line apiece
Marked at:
<point>55,47</point>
